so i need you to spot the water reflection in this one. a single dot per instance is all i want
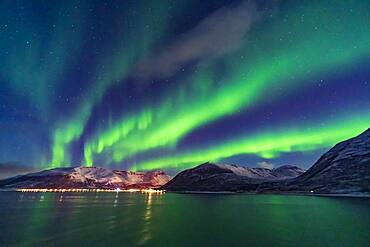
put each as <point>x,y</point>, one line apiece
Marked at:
<point>148,214</point>
<point>115,200</point>
<point>135,219</point>
<point>146,232</point>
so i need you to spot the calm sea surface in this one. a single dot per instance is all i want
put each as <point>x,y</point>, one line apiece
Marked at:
<point>134,219</point>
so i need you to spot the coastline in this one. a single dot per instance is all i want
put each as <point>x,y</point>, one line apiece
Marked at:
<point>352,195</point>
<point>357,194</point>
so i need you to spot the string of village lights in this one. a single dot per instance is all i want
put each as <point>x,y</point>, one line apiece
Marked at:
<point>117,190</point>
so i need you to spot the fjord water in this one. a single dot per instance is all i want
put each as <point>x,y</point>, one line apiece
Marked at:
<point>135,219</point>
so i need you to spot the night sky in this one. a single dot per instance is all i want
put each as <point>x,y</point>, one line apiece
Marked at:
<point>170,84</point>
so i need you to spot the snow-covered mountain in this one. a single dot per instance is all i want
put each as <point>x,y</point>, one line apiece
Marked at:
<point>282,172</point>
<point>87,177</point>
<point>221,177</point>
<point>343,169</point>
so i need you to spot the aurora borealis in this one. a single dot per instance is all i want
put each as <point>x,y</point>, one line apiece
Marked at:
<point>170,84</point>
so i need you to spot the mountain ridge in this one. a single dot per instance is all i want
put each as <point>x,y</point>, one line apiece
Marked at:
<point>87,177</point>
<point>223,177</point>
<point>345,168</point>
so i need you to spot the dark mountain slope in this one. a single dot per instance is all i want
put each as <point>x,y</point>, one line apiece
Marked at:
<point>215,177</point>
<point>343,169</point>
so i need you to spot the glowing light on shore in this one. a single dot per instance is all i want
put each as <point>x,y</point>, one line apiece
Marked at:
<point>117,190</point>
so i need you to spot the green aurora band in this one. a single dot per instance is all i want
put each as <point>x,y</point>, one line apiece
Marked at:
<point>268,145</point>
<point>111,71</point>
<point>321,44</point>
<point>73,129</point>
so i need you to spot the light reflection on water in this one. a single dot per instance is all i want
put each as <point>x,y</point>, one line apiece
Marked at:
<point>135,219</point>
<point>146,234</point>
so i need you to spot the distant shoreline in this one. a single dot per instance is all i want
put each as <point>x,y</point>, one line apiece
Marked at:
<point>278,193</point>
<point>358,195</point>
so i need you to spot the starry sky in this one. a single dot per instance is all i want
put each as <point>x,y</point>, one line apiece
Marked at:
<point>170,84</point>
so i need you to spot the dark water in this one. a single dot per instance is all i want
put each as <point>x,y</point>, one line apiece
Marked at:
<point>134,219</point>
